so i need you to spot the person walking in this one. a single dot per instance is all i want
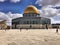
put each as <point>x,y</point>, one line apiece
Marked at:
<point>46,26</point>
<point>57,29</point>
<point>20,29</point>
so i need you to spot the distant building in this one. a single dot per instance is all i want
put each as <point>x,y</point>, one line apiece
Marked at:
<point>55,25</point>
<point>3,24</point>
<point>31,19</point>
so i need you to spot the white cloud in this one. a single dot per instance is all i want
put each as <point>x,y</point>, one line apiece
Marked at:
<point>48,12</point>
<point>15,15</point>
<point>48,9</point>
<point>48,2</point>
<point>15,1</point>
<point>9,16</point>
<point>55,19</point>
<point>2,0</point>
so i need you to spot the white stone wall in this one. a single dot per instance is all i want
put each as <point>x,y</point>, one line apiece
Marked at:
<point>32,26</point>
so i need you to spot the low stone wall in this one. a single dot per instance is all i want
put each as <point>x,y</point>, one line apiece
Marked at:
<point>33,26</point>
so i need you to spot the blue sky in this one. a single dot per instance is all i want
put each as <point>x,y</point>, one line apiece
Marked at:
<point>18,7</point>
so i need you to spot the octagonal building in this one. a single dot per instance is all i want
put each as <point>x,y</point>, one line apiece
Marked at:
<point>31,19</point>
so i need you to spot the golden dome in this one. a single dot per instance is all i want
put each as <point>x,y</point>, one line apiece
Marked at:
<point>31,9</point>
